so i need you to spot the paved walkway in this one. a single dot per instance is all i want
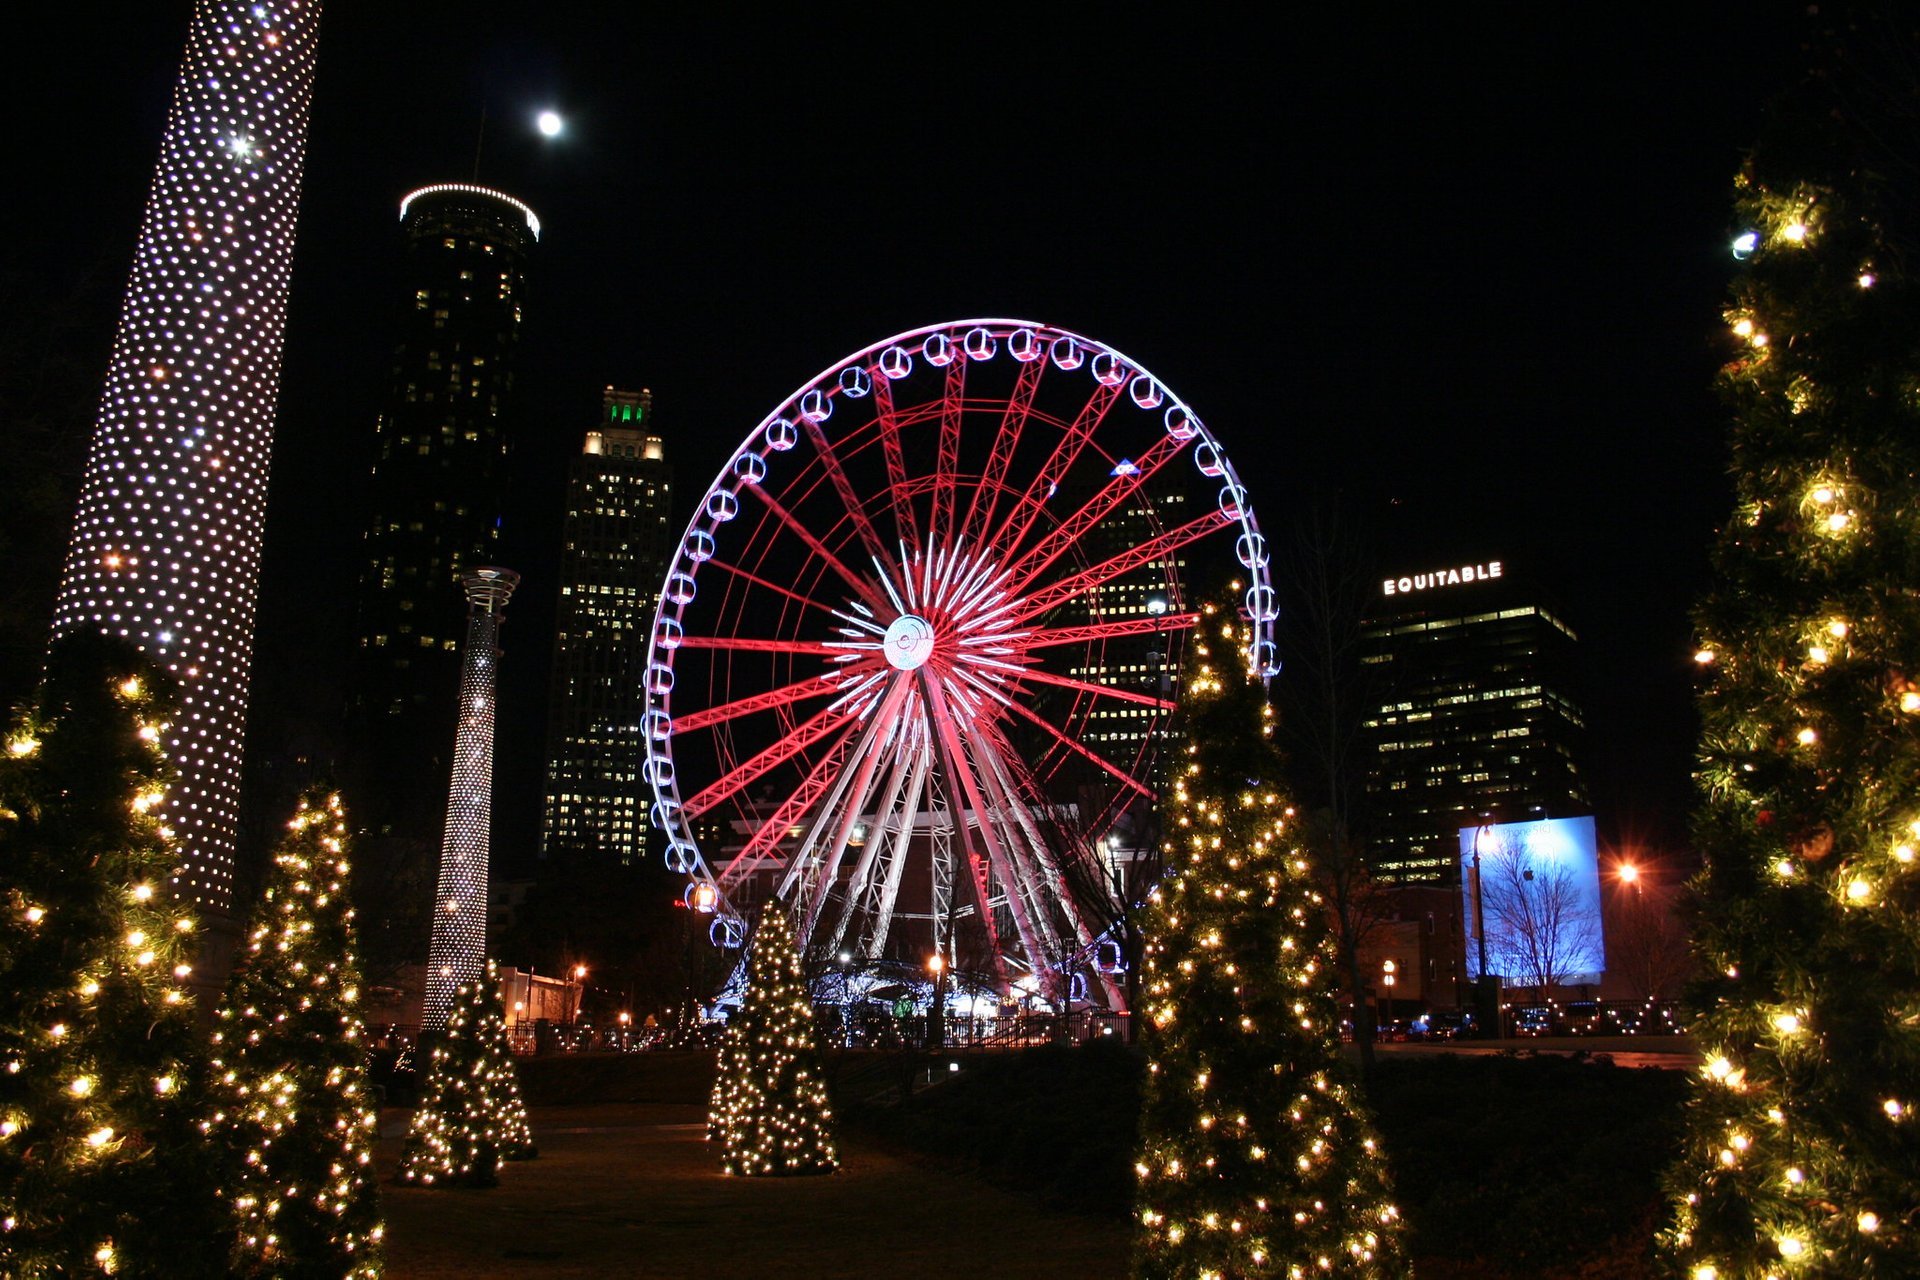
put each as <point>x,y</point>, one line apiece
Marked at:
<point>625,1190</point>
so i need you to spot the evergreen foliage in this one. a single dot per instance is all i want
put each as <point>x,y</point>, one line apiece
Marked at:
<point>471,1118</point>
<point>1257,1156</point>
<point>290,1072</point>
<point>770,1111</point>
<point>1802,1152</point>
<point>102,1071</point>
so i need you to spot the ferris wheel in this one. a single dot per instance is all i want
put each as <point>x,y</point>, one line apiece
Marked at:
<point>913,657</point>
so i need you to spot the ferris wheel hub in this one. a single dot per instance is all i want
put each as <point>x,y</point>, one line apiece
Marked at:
<point>909,642</point>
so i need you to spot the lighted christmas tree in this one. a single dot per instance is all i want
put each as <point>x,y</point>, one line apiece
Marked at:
<point>471,1118</point>
<point>1802,1151</point>
<point>1257,1156</point>
<point>770,1111</point>
<point>289,1070</point>
<point>102,1070</point>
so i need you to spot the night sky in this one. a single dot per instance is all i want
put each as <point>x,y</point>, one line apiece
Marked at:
<point>1462,268</point>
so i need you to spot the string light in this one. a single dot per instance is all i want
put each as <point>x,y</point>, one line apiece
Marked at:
<point>290,1069</point>
<point>457,948</point>
<point>1297,1179</point>
<point>769,1110</point>
<point>166,551</point>
<point>471,1117</point>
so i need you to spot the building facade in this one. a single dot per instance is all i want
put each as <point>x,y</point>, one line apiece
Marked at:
<point>166,543</point>
<point>438,491</point>
<point>1471,718</point>
<point>618,537</point>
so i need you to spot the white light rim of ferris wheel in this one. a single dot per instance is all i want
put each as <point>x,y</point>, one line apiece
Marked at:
<point>978,341</point>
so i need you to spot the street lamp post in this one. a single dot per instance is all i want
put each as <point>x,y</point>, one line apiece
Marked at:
<point>1486,989</point>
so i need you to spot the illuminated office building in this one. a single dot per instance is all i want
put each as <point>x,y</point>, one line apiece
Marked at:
<point>438,491</point>
<point>1471,718</point>
<point>617,540</point>
<point>166,543</point>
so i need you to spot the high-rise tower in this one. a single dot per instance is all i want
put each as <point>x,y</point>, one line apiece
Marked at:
<point>1471,715</point>
<point>438,489</point>
<point>166,545</point>
<point>617,539</point>
<point>457,952</point>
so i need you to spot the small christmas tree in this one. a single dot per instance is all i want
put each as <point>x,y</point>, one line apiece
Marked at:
<point>470,1119</point>
<point>770,1109</point>
<point>102,1074</point>
<point>1257,1156</point>
<point>290,1071</point>
<point>1802,1152</point>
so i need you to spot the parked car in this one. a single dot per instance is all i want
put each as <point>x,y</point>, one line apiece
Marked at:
<point>1533,1020</point>
<point>1442,1024</point>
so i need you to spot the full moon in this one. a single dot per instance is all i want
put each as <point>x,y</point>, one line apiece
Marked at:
<point>550,124</point>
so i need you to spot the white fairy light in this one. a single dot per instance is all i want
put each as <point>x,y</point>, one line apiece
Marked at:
<point>166,543</point>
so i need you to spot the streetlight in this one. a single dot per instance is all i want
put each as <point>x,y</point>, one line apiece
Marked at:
<point>1486,993</point>
<point>937,1010</point>
<point>1389,971</point>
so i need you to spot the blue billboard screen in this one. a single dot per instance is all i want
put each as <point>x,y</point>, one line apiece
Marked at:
<point>1531,892</point>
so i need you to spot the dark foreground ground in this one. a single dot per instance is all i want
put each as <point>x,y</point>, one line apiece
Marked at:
<point>1019,1165</point>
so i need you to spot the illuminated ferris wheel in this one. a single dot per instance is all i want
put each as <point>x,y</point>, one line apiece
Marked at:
<point>914,651</point>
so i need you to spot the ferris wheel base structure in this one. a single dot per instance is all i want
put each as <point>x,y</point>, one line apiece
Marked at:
<point>913,659</point>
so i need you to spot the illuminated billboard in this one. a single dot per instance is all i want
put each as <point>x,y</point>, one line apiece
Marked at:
<point>1532,896</point>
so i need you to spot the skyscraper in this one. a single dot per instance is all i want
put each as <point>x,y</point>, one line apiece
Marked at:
<point>1472,716</point>
<point>618,536</point>
<point>438,490</point>
<point>166,544</point>
<point>457,951</point>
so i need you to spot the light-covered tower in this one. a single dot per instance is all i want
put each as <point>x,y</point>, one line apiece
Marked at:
<point>166,545</point>
<point>457,950</point>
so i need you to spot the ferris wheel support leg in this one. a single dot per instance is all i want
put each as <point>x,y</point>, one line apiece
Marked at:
<point>886,848</point>
<point>1005,765</point>
<point>953,766</point>
<point>997,855</point>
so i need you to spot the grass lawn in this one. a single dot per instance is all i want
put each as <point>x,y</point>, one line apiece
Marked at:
<point>1021,1165</point>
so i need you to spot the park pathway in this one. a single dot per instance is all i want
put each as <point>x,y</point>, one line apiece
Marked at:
<point>631,1189</point>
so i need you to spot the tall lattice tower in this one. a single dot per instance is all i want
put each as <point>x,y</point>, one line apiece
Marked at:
<point>166,545</point>
<point>457,949</point>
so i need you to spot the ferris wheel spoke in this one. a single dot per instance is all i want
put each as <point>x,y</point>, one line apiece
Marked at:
<point>1097,690</point>
<point>1020,520</point>
<point>766,838</point>
<point>889,421</point>
<point>813,687</point>
<point>986,496</point>
<point>1072,743</point>
<point>1047,637</point>
<point>747,575</point>
<point>875,883</point>
<point>947,463</point>
<point>1146,553</point>
<point>742,644</point>
<point>1115,491</point>
<point>858,582</point>
<point>809,731</point>
<point>843,488</point>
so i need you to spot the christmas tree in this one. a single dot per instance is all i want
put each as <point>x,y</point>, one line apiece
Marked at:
<point>770,1109</point>
<point>470,1119</point>
<point>102,1095</point>
<point>290,1072</point>
<point>1257,1156</point>
<point>1802,1152</point>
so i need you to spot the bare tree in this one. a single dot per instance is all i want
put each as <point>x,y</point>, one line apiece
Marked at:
<point>1647,944</point>
<point>1323,697</point>
<point>1541,926</point>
